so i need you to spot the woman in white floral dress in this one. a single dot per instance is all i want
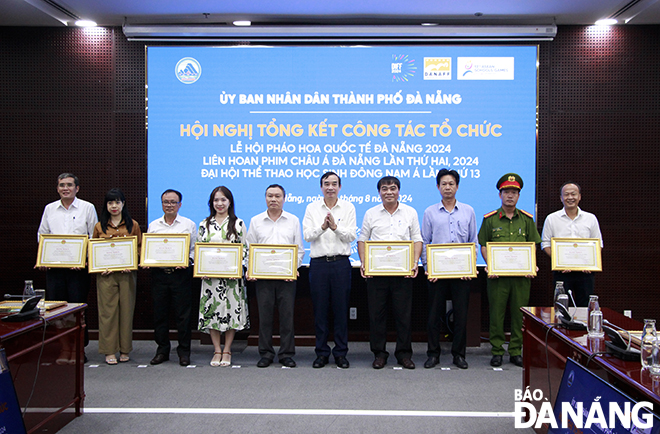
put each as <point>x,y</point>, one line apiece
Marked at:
<point>223,302</point>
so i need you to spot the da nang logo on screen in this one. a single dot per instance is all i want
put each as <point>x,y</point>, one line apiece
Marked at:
<point>188,70</point>
<point>437,68</point>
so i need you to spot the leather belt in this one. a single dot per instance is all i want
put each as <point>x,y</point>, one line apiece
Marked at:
<point>171,270</point>
<point>330,258</point>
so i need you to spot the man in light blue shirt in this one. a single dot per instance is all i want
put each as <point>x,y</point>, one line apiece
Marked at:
<point>449,221</point>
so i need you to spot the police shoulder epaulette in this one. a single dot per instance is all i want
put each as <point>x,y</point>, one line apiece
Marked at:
<point>526,213</point>
<point>490,214</point>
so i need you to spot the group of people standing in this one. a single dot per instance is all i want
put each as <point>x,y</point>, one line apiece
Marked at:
<point>329,225</point>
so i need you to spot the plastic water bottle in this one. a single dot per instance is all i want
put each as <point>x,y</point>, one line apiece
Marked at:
<point>28,290</point>
<point>649,334</point>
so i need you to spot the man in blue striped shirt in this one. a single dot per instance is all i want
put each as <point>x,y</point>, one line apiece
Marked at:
<point>449,221</point>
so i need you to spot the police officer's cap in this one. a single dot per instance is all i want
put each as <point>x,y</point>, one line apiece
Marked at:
<point>510,180</point>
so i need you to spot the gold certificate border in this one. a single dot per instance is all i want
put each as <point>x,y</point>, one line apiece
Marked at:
<point>594,243</point>
<point>105,242</point>
<point>236,248</point>
<point>433,248</point>
<point>368,245</point>
<point>147,239</point>
<point>517,246</point>
<point>253,273</point>
<point>43,239</point>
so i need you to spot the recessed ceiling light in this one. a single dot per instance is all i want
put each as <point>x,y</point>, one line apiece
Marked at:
<point>606,22</point>
<point>85,23</point>
<point>242,23</point>
<point>429,24</point>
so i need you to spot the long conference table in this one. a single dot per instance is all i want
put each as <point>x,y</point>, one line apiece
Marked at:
<point>36,352</point>
<point>547,346</point>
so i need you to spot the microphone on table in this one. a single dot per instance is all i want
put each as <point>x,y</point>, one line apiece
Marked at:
<point>617,346</point>
<point>570,293</point>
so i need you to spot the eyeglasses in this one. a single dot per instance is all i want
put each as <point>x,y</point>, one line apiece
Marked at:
<point>170,202</point>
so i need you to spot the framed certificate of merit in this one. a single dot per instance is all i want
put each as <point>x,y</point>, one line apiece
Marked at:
<point>451,261</point>
<point>112,254</point>
<point>388,258</point>
<point>576,254</point>
<point>62,251</point>
<point>165,250</point>
<point>218,260</point>
<point>511,259</point>
<point>273,261</point>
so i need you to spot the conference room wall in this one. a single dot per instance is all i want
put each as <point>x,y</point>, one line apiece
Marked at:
<point>74,100</point>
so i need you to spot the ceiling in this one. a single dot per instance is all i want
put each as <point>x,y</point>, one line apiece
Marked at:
<point>317,12</point>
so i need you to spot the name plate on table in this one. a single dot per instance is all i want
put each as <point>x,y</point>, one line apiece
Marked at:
<point>112,254</point>
<point>388,258</point>
<point>273,261</point>
<point>62,251</point>
<point>511,259</point>
<point>451,261</point>
<point>165,250</point>
<point>576,254</point>
<point>218,260</point>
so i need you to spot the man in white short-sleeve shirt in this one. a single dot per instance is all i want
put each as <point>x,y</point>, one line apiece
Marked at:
<point>171,287</point>
<point>572,222</point>
<point>68,216</point>
<point>390,221</point>
<point>276,226</point>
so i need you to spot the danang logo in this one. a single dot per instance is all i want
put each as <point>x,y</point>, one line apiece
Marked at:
<point>188,70</point>
<point>580,415</point>
<point>437,68</point>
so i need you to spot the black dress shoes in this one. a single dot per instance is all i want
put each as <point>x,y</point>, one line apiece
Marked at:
<point>184,360</point>
<point>379,363</point>
<point>516,360</point>
<point>264,362</point>
<point>460,362</point>
<point>407,363</point>
<point>431,362</point>
<point>342,362</point>
<point>496,361</point>
<point>320,362</point>
<point>159,358</point>
<point>288,362</point>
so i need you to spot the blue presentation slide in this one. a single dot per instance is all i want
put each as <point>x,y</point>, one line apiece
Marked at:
<point>247,117</point>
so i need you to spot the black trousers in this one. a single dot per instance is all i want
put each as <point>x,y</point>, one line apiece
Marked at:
<point>170,289</point>
<point>439,292</point>
<point>330,288</point>
<point>581,285</point>
<point>399,289</point>
<point>270,293</point>
<point>64,284</point>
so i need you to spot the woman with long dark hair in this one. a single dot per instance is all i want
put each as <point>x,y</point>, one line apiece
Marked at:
<point>115,291</point>
<point>223,303</point>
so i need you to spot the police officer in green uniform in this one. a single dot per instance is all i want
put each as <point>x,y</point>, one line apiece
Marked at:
<point>507,224</point>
